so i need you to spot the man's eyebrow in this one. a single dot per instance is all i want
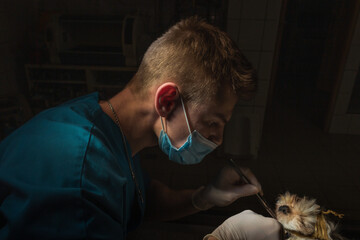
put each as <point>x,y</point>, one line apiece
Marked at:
<point>222,117</point>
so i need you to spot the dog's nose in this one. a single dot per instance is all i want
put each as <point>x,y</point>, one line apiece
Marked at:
<point>284,209</point>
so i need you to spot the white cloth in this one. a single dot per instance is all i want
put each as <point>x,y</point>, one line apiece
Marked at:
<point>247,225</point>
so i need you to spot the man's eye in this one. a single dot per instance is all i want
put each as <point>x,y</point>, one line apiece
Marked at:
<point>213,124</point>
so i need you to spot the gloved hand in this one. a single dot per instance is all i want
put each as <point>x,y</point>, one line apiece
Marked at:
<point>247,225</point>
<point>227,187</point>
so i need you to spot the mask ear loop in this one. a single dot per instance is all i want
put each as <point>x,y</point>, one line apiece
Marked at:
<point>162,124</point>
<point>187,121</point>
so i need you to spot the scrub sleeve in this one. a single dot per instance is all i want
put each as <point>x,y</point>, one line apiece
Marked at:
<point>64,175</point>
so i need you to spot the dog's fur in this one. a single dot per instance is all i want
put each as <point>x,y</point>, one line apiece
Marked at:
<point>299,217</point>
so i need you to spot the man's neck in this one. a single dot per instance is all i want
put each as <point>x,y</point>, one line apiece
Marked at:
<point>136,117</point>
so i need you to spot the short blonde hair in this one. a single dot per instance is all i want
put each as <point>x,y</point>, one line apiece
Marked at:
<point>201,59</point>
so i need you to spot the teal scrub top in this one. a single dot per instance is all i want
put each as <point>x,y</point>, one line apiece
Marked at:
<point>64,175</point>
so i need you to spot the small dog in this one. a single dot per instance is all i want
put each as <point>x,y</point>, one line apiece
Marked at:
<point>302,218</point>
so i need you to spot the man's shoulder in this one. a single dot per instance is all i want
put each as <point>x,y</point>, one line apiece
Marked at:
<point>59,135</point>
<point>82,108</point>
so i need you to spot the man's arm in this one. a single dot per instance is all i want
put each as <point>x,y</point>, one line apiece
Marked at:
<point>167,204</point>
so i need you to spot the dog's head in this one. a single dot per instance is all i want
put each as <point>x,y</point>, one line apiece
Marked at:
<point>303,217</point>
<point>297,214</point>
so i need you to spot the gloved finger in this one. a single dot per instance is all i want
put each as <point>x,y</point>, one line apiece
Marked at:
<point>230,176</point>
<point>245,190</point>
<point>253,180</point>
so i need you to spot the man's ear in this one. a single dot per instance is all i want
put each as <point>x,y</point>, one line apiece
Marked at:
<point>166,97</point>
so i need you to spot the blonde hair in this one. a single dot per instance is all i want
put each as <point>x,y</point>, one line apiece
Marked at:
<point>201,59</point>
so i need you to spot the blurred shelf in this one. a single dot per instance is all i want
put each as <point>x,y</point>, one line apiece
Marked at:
<point>109,86</point>
<point>51,83</point>
<point>81,67</point>
<point>59,81</point>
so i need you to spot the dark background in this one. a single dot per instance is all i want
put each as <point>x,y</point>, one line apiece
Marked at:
<point>300,141</point>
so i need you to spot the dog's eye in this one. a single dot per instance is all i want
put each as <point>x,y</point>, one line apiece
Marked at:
<point>284,209</point>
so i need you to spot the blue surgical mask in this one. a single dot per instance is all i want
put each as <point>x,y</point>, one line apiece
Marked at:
<point>192,151</point>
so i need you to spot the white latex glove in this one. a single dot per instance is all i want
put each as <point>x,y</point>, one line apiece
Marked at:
<point>247,225</point>
<point>227,187</point>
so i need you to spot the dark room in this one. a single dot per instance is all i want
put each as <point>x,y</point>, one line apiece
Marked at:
<point>193,119</point>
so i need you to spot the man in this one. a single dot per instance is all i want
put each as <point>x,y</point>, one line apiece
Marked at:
<point>73,171</point>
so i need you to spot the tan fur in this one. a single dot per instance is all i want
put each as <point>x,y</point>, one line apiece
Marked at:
<point>302,217</point>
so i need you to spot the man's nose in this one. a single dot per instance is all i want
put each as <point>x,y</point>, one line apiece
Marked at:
<point>216,138</point>
<point>220,141</point>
